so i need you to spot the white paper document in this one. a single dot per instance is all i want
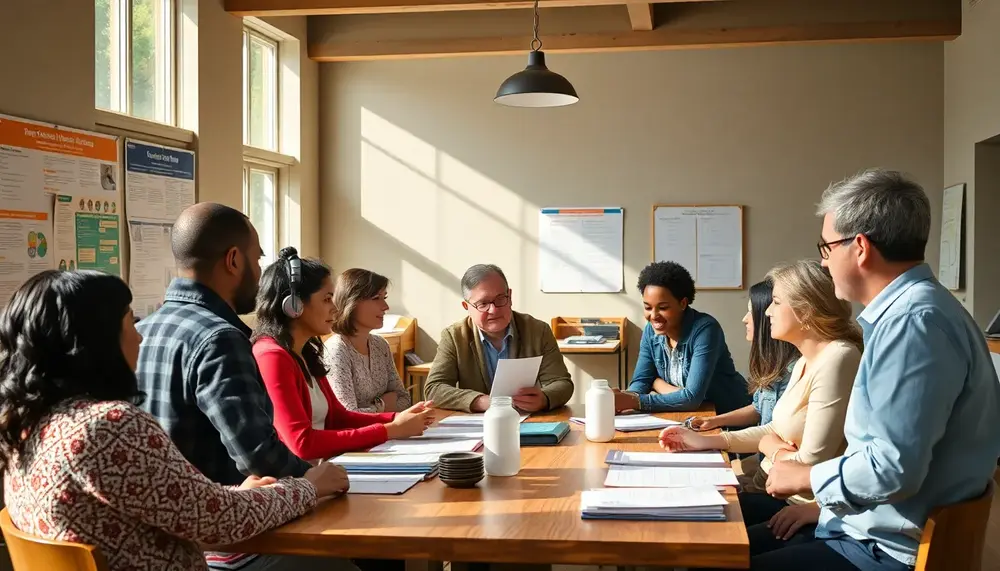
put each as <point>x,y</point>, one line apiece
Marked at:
<point>429,446</point>
<point>389,484</point>
<point>634,422</point>
<point>515,374</point>
<point>668,459</point>
<point>700,503</point>
<point>365,459</point>
<point>665,477</point>
<point>467,420</point>
<point>451,432</point>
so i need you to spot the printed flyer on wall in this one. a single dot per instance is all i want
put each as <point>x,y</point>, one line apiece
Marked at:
<point>159,184</point>
<point>38,161</point>
<point>87,234</point>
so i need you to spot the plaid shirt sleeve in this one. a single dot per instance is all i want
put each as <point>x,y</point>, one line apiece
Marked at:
<point>231,395</point>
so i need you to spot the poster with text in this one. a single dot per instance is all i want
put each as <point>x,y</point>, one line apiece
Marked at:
<point>151,265</point>
<point>37,162</point>
<point>87,234</point>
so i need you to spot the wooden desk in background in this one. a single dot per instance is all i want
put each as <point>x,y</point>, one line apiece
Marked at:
<point>563,327</point>
<point>533,517</point>
<point>994,345</point>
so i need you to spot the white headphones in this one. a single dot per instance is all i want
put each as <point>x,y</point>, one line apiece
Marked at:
<point>292,305</point>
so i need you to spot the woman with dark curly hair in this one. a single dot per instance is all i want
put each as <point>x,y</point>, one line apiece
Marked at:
<point>683,357</point>
<point>82,463</point>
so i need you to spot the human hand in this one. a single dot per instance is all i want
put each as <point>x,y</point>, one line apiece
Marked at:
<point>788,478</point>
<point>701,423</point>
<point>680,439</point>
<point>625,401</point>
<point>329,479</point>
<point>481,403</point>
<point>531,399</point>
<point>257,482</point>
<point>771,444</point>
<point>412,421</point>
<point>389,400</point>
<point>790,519</point>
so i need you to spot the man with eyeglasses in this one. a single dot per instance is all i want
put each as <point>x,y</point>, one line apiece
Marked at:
<point>921,425</point>
<point>468,353</point>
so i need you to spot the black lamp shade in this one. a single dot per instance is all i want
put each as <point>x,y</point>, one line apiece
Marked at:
<point>536,86</point>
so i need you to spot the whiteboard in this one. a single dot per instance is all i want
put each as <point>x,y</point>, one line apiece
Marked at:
<point>950,264</point>
<point>706,240</point>
<point>581,250</point>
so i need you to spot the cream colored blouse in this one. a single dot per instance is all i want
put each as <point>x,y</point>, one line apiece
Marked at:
<point>811,412</point>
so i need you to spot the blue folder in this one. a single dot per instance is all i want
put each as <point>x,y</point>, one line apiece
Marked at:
<point>543,433</point>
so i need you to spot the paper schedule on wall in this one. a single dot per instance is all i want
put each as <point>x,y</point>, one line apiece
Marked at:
<point>707,240</point>
<point>581,250</point>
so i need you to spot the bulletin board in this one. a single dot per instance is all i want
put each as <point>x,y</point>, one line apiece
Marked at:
<point>707,239</point>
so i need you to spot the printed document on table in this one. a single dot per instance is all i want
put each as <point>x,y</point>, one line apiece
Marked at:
<point>661,477</point>
<point>711,459</point>
<point>474,420</point>
<point>390,484</point>
<point>428,446</point>
<point>515,374</point>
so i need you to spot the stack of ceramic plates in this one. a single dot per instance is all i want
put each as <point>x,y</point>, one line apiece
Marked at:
<point>461,469</point>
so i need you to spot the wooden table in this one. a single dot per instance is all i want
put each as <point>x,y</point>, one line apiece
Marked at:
<point>533,517</point>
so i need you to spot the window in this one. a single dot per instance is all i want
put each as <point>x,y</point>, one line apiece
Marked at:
<point>260,192</point>
<point>134,58</point>
<point>260,91</point>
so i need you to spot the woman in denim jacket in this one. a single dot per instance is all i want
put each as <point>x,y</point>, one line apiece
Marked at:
<point>771,363</point>
<point>683,358</point>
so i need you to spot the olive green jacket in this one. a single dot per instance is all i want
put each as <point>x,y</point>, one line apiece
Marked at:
<point>458,374</point>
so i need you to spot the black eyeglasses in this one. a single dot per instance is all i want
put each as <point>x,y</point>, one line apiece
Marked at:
<point>484,306</point>
<point>825,247</point>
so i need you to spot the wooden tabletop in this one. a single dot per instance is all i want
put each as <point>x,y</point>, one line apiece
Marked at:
<point>533,517</point>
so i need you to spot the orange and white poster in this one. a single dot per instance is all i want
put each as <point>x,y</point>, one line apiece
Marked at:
<point>38,161</point>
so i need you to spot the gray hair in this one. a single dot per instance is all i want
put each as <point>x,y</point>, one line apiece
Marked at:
<point>476,274</point>
<point>891,210</point>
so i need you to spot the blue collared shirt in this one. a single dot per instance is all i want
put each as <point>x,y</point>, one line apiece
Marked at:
<point>922,423</point>
<point>492,354</point>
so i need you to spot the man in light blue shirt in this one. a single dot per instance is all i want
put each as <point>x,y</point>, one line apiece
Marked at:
<point>922,423</point>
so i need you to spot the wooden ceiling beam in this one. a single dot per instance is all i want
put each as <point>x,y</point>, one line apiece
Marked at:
<point>641,16</point>
<point>268,8</point>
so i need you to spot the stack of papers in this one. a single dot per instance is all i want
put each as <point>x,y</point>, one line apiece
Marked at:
<point>387,484</point>
<point>386,473</point>
<point>469,420</point>
<point>668,477</point>
<point>667,459</point>
<point>696,503</point>
<point>429,445</point>
<point>635,422</point>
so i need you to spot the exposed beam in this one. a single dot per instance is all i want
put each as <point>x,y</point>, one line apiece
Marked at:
<point>641,16</point>
<point>658,39</point>
<point>265,8</point>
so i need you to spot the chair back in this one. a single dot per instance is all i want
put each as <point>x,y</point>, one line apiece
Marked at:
<point>30,553</point>
<point>954,535</point>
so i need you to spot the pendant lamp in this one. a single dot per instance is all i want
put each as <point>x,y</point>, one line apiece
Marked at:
<point>536,86</point>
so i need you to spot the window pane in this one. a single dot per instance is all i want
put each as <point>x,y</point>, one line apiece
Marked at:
<point>151,60</point>
<point>263,93</point>
<point>105,54</point>
<point>261,199</point>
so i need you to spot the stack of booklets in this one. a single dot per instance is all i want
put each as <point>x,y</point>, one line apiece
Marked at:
<point>694,503</point>
<point>667,470</point>
<point>371,473</point>
<point>634,422</point>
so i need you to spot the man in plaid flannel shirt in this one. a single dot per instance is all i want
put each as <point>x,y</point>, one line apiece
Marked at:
<point>197,368</point>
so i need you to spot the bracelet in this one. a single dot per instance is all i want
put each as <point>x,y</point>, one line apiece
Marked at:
<point>379,404</point>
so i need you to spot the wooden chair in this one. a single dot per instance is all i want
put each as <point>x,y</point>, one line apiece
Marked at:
<point>954,535</point>
<point>29,553</point>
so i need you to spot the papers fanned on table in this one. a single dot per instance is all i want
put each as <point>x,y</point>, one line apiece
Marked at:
<point>668,477</point>
<point>695,503</point>
<point>667,459</point>
<point>470,420</point>
<point>635,422</point>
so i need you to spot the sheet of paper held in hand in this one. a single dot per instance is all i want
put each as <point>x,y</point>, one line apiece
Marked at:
<point>513,375</point>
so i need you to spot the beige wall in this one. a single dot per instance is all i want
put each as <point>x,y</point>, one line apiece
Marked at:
<point>55,82</point>
<point>423,175</point>
<point>972,115</point>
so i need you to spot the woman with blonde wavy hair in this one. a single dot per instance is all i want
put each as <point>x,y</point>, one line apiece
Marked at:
<point>807,425</point>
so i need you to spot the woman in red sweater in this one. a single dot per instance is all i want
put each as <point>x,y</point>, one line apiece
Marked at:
<point>308,417</point>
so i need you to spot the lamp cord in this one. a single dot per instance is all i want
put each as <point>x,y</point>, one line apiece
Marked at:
<point>535,41</point>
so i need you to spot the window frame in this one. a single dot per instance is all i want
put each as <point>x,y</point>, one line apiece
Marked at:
<point>275,171</point>
<point>250,35</point>
<point>122,64</point>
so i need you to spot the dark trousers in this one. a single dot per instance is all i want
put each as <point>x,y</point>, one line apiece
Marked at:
<point>758,509</point>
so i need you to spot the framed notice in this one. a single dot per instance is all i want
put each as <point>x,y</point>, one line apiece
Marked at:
<point>705,239</point>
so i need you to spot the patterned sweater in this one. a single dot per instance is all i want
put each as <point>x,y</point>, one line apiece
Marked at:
<point>106,474</point>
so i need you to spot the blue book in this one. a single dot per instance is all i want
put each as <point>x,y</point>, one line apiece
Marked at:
<point>543,433</point>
